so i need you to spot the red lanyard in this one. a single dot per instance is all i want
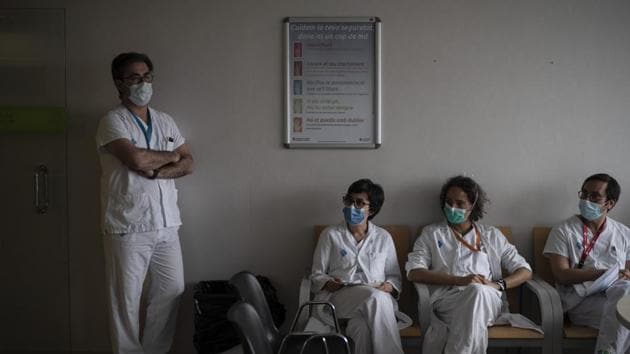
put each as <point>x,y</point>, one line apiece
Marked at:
<point>587,247</point>
<point>459,238</point>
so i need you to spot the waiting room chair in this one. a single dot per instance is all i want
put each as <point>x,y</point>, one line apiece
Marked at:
<point>316,343</point>
<point>250,328</point>
<point>294,342</point>
<point>567,334</point>
<point>251,292</point>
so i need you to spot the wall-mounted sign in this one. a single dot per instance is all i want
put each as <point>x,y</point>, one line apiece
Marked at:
<point>333,82</point>
<point>32,119</point>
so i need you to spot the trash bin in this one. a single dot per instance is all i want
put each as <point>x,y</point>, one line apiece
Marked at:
<point>213,332</point>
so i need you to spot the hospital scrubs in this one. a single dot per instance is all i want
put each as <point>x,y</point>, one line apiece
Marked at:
<point>611,249</point>
<point>140,221</point>
<point>371,312</point>
<point>462,314</point>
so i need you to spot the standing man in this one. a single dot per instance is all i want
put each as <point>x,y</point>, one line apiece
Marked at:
<point>583,248</point>
<point>141,152</point>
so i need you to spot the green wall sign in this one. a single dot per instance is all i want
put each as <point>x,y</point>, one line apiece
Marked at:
<point>32,119</point>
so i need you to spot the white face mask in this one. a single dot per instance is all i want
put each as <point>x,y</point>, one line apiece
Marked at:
<point>140,94</point>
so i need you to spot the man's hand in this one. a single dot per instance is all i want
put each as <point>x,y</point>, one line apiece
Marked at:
<point>470,279</point>
<point>477,279</point>
<point>333,285</point>
<point>492,284</point>
<point>145,174</point>
<point>386,287</point>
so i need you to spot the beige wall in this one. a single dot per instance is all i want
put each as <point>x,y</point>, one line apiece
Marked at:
<point>528,97</point>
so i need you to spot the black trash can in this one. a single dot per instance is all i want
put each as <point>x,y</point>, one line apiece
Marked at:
<point>213,332</point>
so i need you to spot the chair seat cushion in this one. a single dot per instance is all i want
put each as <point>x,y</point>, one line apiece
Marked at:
<point>411,331</point>
<point>508,332</point>
<point>580,332</point>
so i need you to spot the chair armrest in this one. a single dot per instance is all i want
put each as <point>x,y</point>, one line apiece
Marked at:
<point>544,315</point>
<point>305,290</point>
<point>552,306</point>
<point>550,314</point>
<point>424,306</point>
<point>301,317</point>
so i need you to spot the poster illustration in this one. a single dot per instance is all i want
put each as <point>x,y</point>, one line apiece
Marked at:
<point>333,82</point>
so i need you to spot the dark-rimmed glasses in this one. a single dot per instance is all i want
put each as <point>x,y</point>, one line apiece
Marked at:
<point>358,203</point>
<point>593,196</point>
<point>136,79</point>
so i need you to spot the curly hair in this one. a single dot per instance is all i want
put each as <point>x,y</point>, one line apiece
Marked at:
<point>475,194</point>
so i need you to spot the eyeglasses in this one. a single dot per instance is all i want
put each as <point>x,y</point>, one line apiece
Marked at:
<point>136,79</point>
<point>358,203</point>
<point>593,197</point>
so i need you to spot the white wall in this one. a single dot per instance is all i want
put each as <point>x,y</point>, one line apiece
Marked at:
<point>528,97</point>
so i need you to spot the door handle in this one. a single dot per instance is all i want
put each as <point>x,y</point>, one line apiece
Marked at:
<point>40,175</point>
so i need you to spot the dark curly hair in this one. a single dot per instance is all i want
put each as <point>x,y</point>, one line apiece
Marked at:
<point>375,193</point>
<point>475,194</point>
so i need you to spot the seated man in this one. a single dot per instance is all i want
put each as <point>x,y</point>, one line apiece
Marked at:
<point>461,260</point>
<point>583,248</point>
<point>356,269</point>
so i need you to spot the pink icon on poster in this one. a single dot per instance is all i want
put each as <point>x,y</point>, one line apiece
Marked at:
<point>297,49</point>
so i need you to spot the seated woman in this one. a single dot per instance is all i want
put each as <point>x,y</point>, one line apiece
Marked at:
<point>355,268</point>
<point>461,260</point>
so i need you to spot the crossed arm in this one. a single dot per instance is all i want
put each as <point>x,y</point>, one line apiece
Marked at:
<point>515,279</point>
<point>153,163</point>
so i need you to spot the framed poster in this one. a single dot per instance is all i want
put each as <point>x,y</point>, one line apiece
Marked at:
<point>333,82</point>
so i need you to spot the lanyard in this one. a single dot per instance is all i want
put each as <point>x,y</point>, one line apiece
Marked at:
<point>587,247</point>
<point>459,238</point>
<point>148,131</point>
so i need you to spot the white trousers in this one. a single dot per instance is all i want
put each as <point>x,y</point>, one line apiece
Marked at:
<point>372,321</point>
<point>129,259</point>
<point>460,320</point>
<point>599,311</point>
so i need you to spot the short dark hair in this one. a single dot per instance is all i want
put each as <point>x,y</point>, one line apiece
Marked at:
<point>474,193</point>
<point>376,195</point>
<point>120,63</point>
<point>613,190</point>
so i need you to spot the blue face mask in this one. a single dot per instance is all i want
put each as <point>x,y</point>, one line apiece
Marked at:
<point>353,215</point>
<point>454,216</point>
<point>589,210</point>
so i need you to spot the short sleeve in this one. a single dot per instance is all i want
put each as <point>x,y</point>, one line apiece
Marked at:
<point>511,260</point>
<point>420,257</point>
<point>110,128</point>
<point>556,244</point>
<point>178,138</point>
<point>625,231</point>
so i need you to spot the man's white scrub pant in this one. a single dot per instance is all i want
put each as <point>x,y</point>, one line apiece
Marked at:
<point>599,311</point>
<point>129,259</point>
<point>372,321</point>
<point>460,320</point>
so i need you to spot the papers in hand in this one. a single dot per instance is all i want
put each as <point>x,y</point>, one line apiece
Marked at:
<point>600,284</point>
<point>374,284</point>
